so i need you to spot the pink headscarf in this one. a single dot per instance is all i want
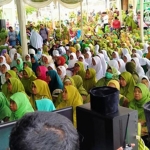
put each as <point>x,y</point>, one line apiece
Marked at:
<point>43,71</point>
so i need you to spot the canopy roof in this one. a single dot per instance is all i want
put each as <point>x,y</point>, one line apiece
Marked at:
<point>43,3</point>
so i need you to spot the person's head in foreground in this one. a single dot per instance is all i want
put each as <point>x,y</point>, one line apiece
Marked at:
<point>44,131</point>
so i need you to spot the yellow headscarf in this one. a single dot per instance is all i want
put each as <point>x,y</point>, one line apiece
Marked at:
<point>72,49</point>
<point>42,92</point>
<point>74,99</point>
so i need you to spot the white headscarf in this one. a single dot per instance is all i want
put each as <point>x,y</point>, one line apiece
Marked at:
<point>56,53</point>
<point>29,58</point>
<point>103,62</point>
<point>145,50</point>
<point>139,69</point>
<point>4,60</point>
<point>31,51</point>
<point>97,67</point>
<point>85,63</point>
<point>63,70</point>
<point>89,60</point>
<point>117,55</point>
<point>105,55</point>
<point>142,77</point>
<point>3,79</point>
<point>125,51</point>
<point>114,63</point>
<point>96,49</point>
<point>128,57</point>
<point>122,65</point>
<point>52,65</point>
<point>12,53</point>
<point>72,62</point>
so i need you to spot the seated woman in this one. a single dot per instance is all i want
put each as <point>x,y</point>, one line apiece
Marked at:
<point>71,97</point>
<point>54,80</point>
<point>41,72</point>
<point>141,96</point>
<point>19,65</point>
<point>14,85</point>
<point>127,84</point>
<point>90,79</point>
<point>40,90</point>
<point>28,77</point>
<point>9,74</point>
<point>111,73</point>
<point>144,80</point>
<point>45,105</point>
<point>79,85</point>
<point>61,70</point>
<point>19,105</point>
<point>5,111</point>
<point>79,69</point>
<point>130,67</point>
<point>114,83</point>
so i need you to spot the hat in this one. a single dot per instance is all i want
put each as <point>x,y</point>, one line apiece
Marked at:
<point>56,92</point>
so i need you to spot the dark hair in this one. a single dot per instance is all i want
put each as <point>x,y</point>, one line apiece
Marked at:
<point>116,17</point>
<point>10,27</point>
<point>44,131</point>
<point>12,68</point>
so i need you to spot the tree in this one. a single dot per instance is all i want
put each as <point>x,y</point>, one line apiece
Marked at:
<point>30,10</point>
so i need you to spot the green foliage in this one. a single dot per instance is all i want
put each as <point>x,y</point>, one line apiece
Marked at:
<point>30,10</point>
<point>3,35</point>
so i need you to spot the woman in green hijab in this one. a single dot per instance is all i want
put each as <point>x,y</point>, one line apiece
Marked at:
<point>131,67</point>
<point>127,84</point>
<point>89,79</point>
<point>5,111</point>
<point>28,77</point>
<point>40,90</point>
<point>19,105</point>
<point>14,85</point>
<point>79,69</point>
<point>79,85</point>
<point>9,74</point>
<point>19,64</point>
<point>141,96</point>
<point>111,73</point>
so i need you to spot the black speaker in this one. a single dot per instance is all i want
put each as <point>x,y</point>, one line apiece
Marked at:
<point>2,24</point>
<point>106,132</point>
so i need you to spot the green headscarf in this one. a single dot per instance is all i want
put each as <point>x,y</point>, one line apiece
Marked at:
<point>23,106</point>
<point>127,91</point>
<point>131,67</point>
<point>138,104</point>
<point>29,64</point>
<point>20,66</point>
<point>27,82</point>
<point>69,78</point>
<point>4,107</point>
<point>91,82</point>
<point>16,87</point>
<point>79,84</point>
<point>13,74</point>
<point>66,58</point>
<point>81,72</point>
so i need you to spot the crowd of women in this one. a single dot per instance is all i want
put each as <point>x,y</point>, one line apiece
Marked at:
<point>63,73</point>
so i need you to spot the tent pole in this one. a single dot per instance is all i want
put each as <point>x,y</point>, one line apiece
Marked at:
<point>141,20</point>
<point>81,20</point>
<point>59,18</point>
<point>21,17</point>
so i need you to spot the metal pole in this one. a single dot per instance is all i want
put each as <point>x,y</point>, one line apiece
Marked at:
<point>59,17</point>
<point>141,20</point>
<point>81,20</point>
